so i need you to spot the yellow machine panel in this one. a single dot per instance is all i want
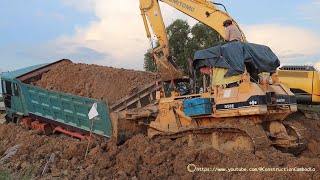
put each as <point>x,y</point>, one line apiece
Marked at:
<point>303,81</point>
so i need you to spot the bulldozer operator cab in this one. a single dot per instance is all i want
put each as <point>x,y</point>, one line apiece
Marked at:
<point>227,64</point>
<point>214,76</point>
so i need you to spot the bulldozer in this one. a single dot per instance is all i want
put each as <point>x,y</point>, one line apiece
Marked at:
<point>245,106</point>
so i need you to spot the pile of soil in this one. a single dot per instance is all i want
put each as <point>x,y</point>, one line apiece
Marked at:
<point>93,81</point>
<point>142,158</point>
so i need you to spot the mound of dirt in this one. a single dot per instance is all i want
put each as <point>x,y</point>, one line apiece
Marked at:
<point>94,81</point>
<point>142,158</point>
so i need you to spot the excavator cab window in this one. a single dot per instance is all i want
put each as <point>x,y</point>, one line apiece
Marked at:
<point>180,86</point>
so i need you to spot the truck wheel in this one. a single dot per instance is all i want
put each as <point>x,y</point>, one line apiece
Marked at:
<point>8,118</point>
<point>19,122</point>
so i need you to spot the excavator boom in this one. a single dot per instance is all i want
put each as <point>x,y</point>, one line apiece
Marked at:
<point>201,10</point>
<point>151,13</point>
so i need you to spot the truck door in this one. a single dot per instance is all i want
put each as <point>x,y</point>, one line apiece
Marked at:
<point>12,99</point>
<point>7,93</point>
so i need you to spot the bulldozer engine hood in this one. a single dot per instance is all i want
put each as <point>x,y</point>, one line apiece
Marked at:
<point>234,55</point>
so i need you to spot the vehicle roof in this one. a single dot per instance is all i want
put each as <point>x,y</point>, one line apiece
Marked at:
<point>20,72</point>
<point>298,67</point>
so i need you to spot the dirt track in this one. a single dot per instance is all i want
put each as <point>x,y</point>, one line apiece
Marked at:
<point>147,159</point>
<point>94,81</point>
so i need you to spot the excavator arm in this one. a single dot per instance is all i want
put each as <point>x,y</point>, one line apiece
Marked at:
<point>167,69</point>
<point>201,10</point>
<point>205,12</point>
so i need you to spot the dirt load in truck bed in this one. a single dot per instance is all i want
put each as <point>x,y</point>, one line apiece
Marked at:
<point>94,81</point>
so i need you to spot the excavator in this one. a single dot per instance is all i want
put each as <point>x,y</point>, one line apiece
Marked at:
<point>242,111</point>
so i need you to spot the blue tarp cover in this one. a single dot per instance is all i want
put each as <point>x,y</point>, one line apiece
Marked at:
<point>234,55</point>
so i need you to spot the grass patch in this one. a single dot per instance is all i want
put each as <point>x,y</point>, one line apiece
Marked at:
<point>25,175</point>
<point>5,175</point>
<point>28,173</point>
<point>315,108</point>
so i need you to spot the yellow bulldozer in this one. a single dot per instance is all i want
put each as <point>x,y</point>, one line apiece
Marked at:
<point>244,108</point>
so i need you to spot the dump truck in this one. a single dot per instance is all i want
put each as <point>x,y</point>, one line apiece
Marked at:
<point>51,111</point>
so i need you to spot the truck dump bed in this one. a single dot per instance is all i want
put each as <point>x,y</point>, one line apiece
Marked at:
<point>66,110</point>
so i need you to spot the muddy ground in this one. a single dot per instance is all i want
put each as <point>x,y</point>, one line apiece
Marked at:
<point>142,158</point>
<point>93,81</point>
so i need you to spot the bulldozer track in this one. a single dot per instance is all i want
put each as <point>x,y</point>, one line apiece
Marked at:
<point>301,132</point>
<point>258,136</point>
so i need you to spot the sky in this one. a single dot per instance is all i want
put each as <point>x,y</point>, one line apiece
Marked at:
<point>112,33</point>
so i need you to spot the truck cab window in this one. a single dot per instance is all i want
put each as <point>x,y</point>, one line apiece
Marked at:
<point>8,88</point>
<point>3,86</point>
<point>16,89</point>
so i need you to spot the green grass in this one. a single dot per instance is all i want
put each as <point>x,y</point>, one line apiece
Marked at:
<point>315,108</point>
<point>5,175</point>
<point>26,175</point>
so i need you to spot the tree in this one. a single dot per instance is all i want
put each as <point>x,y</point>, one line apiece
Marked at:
<point>178,35</point>
<point>149,64</point>
<point>184,42</point>
<point>202,37</point>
